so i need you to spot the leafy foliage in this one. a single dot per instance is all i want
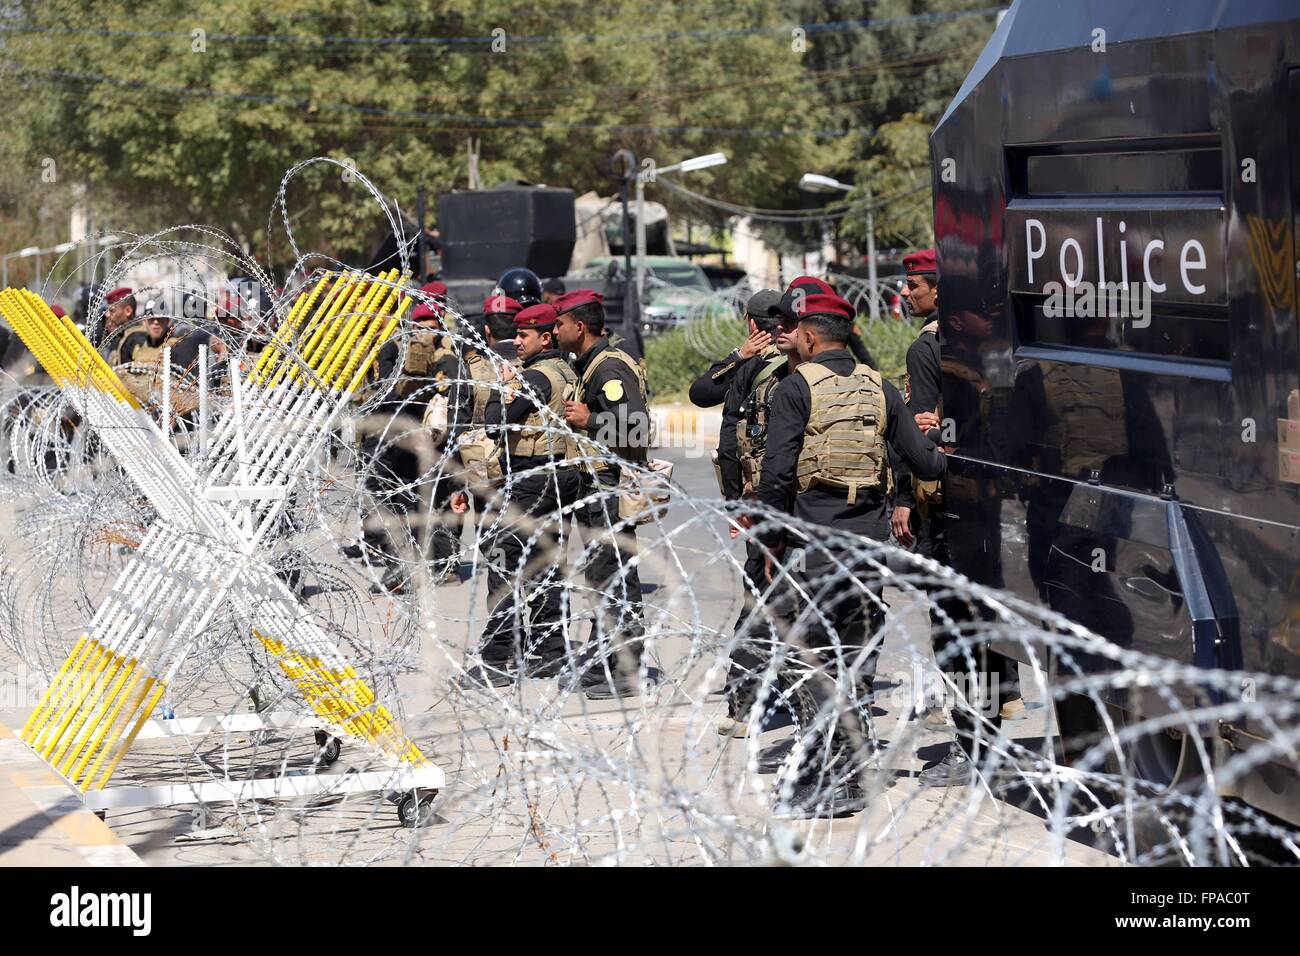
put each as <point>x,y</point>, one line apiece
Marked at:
<point>673,359</point>
<point>195,117</point>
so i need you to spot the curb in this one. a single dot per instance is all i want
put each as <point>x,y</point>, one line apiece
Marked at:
<point>685,426</point>
<point>43,823</point>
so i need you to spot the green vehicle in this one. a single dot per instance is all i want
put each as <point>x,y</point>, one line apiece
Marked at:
<point>673,288</point>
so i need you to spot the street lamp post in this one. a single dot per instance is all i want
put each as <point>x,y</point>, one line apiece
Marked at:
<point>686,166</point>
<point>816,183</point>
<point>623,168</point>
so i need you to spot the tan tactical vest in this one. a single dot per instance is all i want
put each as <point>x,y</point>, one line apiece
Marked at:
<point>1085,416</point>
<point>579,446</point>
<point>423,352</point>
<point>538,436</point>
<point>115,357</point>
<point>142,374</point>
<point>484,376</point>
<point>149,354</point>
<point>616,342</point>
<point>844,440</point>
<point>751,428</point>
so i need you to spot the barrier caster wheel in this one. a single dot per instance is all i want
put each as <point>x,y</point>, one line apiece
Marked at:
<point>416,808</point>
<point>330,748</point>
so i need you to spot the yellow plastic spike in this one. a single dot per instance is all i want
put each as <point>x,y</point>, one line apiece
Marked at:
<point>338,356</point>
<point>372,351</point>
<point>119,696</point>
<point>306,324</point>
<point>361,335</point>
<point>377,303</point>
<point>33,336</point>
<point>344,291</point>
<point>343,334</point>
<point>323,346</point>
<point>67,690</point>
<point>362,313</point>
<point>120,717</point>
<point>51,740</point>
<point>342,698</point>
<point>355,312</point>
<point>150,704</point>
<point>85,352</point>
<point>88,706</point>
<point>273,347</point>
<point>302,307</point>
<point>341,305</point>
<point>93,713</point>
<point>58,676</point>
<point>49,336</point>
<point>324,692</point>
<point>63,350</point>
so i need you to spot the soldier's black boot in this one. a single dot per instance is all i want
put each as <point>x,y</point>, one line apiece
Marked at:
<point>615,675</point>
<point>622,680</point>
<point>954,770</point>
<point>772,759</point>
<point>492,672</point>
<point>834,792</point>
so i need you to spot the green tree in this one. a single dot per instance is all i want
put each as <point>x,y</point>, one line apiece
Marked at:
<point>194,116</point>
<point>894,182</point>
<point>890,80</point>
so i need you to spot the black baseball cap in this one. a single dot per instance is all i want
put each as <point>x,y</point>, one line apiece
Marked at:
<point>761,307</point>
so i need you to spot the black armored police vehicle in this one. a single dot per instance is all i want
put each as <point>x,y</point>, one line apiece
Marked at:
<point>1116,190</point>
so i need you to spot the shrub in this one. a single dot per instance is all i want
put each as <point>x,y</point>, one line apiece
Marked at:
<point>677,357</point>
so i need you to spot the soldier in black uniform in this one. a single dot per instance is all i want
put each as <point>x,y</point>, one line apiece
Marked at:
<point>402,453</point>
<point>499,334</point>
<point>525,554</point>
<point>918,515</point>
<point>749,399</point>
<point>611,408</point>
<point>825,462</point>
<point>713,387</point>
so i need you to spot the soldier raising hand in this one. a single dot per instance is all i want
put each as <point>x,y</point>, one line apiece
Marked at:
<point>826,462</point>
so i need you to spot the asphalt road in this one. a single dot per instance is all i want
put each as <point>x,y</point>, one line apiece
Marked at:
<point>539,776</point>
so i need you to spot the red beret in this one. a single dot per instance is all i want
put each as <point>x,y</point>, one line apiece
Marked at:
<point>422,313</point>
<point>541,317</point>
<point>58,310</point>
<point>501,305</point>
<point>822,303</point>
<point>118,294</point>
<point>434,288</point>
<point>807,282</point>
<point>921,261</point>
<point>571,300</point>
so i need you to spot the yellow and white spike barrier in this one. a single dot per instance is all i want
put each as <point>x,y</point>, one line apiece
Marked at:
<point>197,557</point>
